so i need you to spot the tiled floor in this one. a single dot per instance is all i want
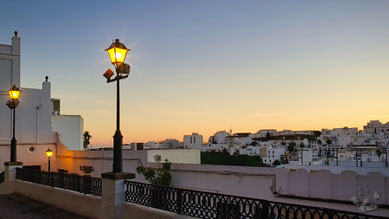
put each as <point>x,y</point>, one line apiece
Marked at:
<point>16,206</point>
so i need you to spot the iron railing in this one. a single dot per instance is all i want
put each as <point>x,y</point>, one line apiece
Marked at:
<point>83,184</point>
<point>1,177</point>
<point>213,205</point>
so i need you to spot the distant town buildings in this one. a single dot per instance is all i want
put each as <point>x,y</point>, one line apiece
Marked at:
<point>193,141</point>
<point>309,147</point>
<point>169,144</point>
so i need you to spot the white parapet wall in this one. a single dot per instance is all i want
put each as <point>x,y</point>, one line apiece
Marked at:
<point>85,205</point>
<point>130,211</point>
<point>179,156</point>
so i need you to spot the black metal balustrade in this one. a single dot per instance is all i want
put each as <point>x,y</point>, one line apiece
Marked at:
<point>83,184</point>
<point>1,177</point>
<point>213,205</point>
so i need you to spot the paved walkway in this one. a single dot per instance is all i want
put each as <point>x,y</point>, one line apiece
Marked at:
<point>18,206</point>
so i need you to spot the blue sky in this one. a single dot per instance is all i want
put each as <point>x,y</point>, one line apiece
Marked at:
<point>206,66</point>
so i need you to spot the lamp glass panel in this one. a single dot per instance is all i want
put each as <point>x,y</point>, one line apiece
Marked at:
<point>14,94</point>
<point>49,153</point>
<point>117,55</point>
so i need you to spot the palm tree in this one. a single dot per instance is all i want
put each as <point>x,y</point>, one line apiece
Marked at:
<point>87,137</point>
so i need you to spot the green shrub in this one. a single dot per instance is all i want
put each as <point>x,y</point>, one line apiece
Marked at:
<point>158,176</point>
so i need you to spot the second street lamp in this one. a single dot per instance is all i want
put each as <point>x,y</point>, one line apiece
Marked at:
<point>117,53</point>
<point>14,93</point>
<point>49,154</point>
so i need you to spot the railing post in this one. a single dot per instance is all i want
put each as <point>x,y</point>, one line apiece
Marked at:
<point>265,209</point>
<point>179,201</point>
<point>61,180</point>
<point>78,183</point>
<point>9,177</point>
<point>113,194</point>
<point>73,182</point>
<point>87,184</point>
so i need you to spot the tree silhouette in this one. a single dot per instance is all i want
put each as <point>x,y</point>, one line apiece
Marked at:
<point>291,147</point>
<point>378,152</point>
<point>87,137</point>
<point>276,163</point>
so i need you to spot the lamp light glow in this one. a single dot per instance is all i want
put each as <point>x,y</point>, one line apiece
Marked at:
<point>117,52</point>
<point>14,93</point>
<point>49,153</point>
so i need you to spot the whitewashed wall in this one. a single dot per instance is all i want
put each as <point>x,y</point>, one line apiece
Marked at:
<point>33,120</point>
<point>183,156</point>
<point>37,157</point>
<point>71,128</point>
<point>64,199</point>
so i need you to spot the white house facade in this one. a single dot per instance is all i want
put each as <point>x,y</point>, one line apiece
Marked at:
<point>193,141</point>
<point>33,124</point>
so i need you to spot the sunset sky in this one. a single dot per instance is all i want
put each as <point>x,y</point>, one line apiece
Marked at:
<point>204,66</point>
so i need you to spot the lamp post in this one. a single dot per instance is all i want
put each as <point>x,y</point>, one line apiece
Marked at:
<point>14,93</point>
<point>117,53</point>
<point>49,154</point>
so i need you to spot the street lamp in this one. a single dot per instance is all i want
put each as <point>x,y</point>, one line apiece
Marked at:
<point>117,53</point>
<point>14,93</point>
<point>49,154</point>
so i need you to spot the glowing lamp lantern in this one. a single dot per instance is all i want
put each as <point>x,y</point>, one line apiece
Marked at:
<point>14,93</point>
<point>49,153</point>
<point>117,52</point>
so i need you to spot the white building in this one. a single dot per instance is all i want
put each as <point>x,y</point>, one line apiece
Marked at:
<point>169,144</point>
<point>305,155</point>
<point>219,137</point>
<point>33,115</point>
<point>242,139</point>
<point>70,127</point>
<point>33,126</point>
<point>253,150</point>
<point>273,154</point>
<point>263,133</point>
<point>151,145</point>
<point>193,141</point>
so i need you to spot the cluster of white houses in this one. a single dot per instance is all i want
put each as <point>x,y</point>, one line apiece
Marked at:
<point>302,147</point>
<point>310,147</point>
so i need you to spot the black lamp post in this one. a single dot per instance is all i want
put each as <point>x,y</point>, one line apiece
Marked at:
<point>14,93</point>
<point>49,154</point>
<point>117,53</point>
